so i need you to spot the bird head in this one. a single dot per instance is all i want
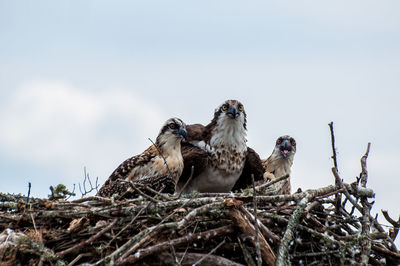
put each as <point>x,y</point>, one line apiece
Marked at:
<point>285,146</point>
<point>231,111</point>
<point>173,129</point>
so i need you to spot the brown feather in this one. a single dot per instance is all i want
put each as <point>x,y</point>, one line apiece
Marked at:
<point>192,156</point>
<point>274,169</point>
<point>253,165</point>
<point>195,132</point>
<point>157,167</point>
<point>218,150</point>
<point>278,165</point>
<point>162,183</point>
<point>123,171</point>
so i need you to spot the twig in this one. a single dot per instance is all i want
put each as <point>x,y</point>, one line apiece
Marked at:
<point>29,193</point>
<point>31,214</point>
<point>162,156</point>
<point>129,224</point>
<point>174,254</point>
<point>396,225</point>
<point>333,146</point>
<point>91,239</point>
<point>161,195</point>
<point>315,254</point>
<point>259,259</point>
<point>346,193</point>
<point>79,257</point>
<point>209,253</point>
<point>246,254</point>
<point>187,182</point>
<point>184,253</point>
<point>377,225</point>
<point>45,253</point>
<point>203,209</point>
<point>385,251</point>
<point>268,234</point>
<point>329,194</point>
<point>248,228</point>
<point>365,220</point>
<point>338,197</point>
<point>144,233</point>
<point>261,187</point>
<point>34,225</point>
<point>283,253</point>
<point>364,172</point>
<point>193,257</point>
<point>90,198</point>
<point>140,254</point>
<point>137,245</point>
<point>317,234</point>
<point>72,193</point>
<point>140,191</point>
<point>84,191</point>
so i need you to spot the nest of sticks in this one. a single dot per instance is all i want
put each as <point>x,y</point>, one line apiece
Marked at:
<point>326,226</point>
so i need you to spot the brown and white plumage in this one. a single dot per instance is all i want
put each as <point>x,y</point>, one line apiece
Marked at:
<point>158,167</point>
<point>217,151</point>
<point>279,163</point>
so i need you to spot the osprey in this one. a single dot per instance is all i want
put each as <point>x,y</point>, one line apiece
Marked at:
<point>218,153</point>
<point>158,167</point>
<point>280,161</point>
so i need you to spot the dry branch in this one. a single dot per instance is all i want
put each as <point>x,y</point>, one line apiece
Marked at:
<point>306,227</point>
<point>222,231</point>
<point>247,228</point>
<point>396,225</point>
<point>366,206</point>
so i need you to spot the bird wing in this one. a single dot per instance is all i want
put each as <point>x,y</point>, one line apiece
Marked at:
<point>195,132</point>
<point>268,165</point>
<point>193,156</point>
<point>160,183</point>
<point>125,168</point>
<point>253,165</point>
<point>123,171</point>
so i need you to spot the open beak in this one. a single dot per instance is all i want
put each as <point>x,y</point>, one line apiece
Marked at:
<point>285,148</point>
<point>232,112</point>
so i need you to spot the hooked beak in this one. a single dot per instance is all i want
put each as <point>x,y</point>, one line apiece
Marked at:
<point>182,132</point>
<point>232,112</point>
<point>285,148</point>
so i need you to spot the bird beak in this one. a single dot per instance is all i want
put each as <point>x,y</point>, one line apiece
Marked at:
<point>285,148</point>
<point>232,112</point>
<point>182,132</point>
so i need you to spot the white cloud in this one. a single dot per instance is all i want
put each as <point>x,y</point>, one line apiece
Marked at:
<point>54,124</point>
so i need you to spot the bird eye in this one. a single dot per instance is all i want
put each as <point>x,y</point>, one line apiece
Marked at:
<point>172,126</point>
<point>279,141</point>
<point>293,142</point>
<point>240,108</point>
<point>224,107</point>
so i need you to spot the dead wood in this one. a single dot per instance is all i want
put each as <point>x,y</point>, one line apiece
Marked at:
<point>247,228</point>
<point>330,225</point>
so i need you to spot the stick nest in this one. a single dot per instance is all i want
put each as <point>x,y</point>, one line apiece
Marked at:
<point>258,226</point>
<point>253,227</point>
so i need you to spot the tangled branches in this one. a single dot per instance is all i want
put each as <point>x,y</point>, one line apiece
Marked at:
<point>300,228</point>
<point>326,226</point>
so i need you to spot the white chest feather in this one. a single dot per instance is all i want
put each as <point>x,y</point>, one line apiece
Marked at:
<point>213,180</point>
<point>280,166</point>
<point>227,150</point>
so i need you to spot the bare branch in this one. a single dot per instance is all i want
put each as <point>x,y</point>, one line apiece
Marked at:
<point>396,225</point>
<point>91,239</point>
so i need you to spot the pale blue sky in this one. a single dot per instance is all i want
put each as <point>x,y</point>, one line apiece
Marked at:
<point>85,83</point>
